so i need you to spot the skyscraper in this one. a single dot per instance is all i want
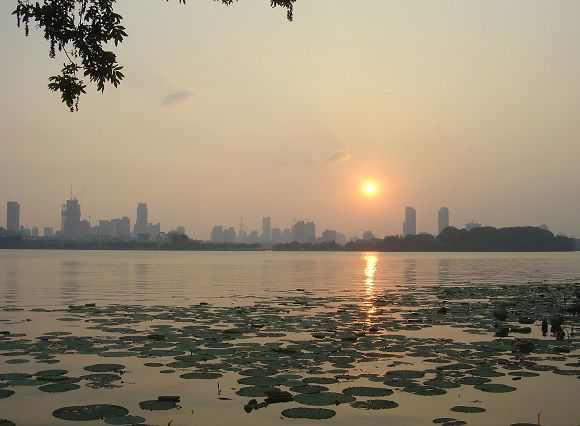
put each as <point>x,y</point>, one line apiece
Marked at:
<point>276,235</point>
<point>443,219</point>
<point>142,220</point>
<point>71,218</point>
<point>329,235</point>
<point>298,231</point>
<point>310,232</point>
<point>229,235</point>
<point>13,216</point>
<point>266,225</point>
<point>217,234</point>
<point>410,223</point>
<point>121,228</point>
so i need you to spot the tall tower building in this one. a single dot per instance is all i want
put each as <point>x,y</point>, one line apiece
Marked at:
<point>310,232</point>
<point>242,234</point>
<point>410,223</point>
<point>12,216</point>
<point>217,234</point>
<point>266,226</point>
<point>442,219</point>
<point>142,220</point>
<point>71,218</point>
<point>298,231</point>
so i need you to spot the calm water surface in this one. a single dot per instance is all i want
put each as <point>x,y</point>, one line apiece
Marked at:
<point>61,278</point>
<point>54,280</point>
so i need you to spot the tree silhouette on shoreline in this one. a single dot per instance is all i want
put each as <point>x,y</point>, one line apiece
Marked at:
<point>81,30</point>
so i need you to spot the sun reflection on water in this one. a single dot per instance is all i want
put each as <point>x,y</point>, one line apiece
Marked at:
<point>370,271</point>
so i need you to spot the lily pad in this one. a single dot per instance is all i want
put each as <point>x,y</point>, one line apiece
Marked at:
<point>405,374</point>
<point>375,404</point>
<point>202,375</point>
<point>84,413</point>
<point>467,409</point>
<point>5,393</point>
<point>17,361</point>
<point>103,368</point>
<point>367,391</point>
<point>51,373</point>
<point>425,390</point>
<point>323,398</point>
<point>308,389</point>
<point>157,405</point>
<point>58,387</point>
<point>320,380</point>
<point>495,388</point>
<point>472,380</point>
<point>309,413</point>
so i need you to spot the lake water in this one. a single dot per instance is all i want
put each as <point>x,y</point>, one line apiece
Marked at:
<point>262,311</point>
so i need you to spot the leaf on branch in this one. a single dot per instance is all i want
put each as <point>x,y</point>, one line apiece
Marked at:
<point>81,29</point>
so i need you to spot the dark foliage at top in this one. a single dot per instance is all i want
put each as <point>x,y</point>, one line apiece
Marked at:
<point>82,30</point>
<point>523,238</point>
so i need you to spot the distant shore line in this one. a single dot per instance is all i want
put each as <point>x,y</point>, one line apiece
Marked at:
<point>484,239</point>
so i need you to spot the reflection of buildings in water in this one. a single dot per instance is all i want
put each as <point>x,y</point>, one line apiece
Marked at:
<point>443,271</point>
<point>11,273</point>
<point>142,275</point>
<point>70,272</point>
<point>410,273</point>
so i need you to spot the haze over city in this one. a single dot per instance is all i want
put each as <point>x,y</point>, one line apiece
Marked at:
<point>473,107</point>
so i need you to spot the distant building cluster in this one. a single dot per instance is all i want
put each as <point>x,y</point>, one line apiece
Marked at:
<point>73,227</point>
<point>410,221</point>
<point>301,231</point>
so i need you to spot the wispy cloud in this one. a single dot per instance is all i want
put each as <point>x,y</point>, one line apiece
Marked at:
<point>177,97</point>
<point>339,157</point>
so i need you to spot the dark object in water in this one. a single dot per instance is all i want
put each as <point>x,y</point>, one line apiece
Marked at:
<point>544,327</point>
<point>442,310</point>
<point>556,321</point>
<point>558,333</point>
<point>253,405</point>
<point>502,330</point>
<point>174,398</point>
<point>524,346</point>
<point>574,309</point>
<point>274,396</point>
<point>500,313</point>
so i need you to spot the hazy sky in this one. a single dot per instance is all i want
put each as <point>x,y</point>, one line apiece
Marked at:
<point>474,105</point>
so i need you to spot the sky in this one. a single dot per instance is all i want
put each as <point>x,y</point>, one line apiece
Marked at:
<point>233,110</point>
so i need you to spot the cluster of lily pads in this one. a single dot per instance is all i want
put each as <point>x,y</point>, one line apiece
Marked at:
<point>300,348</point>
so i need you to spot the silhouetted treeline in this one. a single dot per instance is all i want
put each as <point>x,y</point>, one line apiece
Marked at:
<point>296,246</point>
<point>171,243</point>
<point>523,238</point>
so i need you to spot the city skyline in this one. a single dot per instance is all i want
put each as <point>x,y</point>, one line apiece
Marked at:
<point>478,114</point>
<point>301,230</point>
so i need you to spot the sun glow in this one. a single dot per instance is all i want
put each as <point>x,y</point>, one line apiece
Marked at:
<point>369,188</point>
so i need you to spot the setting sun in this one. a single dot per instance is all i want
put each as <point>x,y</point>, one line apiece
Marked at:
<point>369,188</point>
